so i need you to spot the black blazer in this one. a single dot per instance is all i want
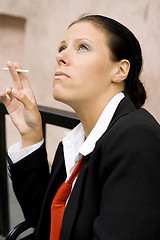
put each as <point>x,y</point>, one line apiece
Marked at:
<point>117,193</point>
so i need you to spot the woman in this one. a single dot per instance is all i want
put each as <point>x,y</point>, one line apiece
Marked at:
<point>117,192</point>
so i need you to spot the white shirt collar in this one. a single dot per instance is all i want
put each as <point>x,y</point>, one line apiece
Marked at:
<point>75,145</point>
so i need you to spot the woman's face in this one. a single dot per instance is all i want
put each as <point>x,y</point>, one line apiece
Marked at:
<point>84,70</point>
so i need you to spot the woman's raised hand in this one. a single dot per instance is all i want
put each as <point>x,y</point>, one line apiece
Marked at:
<point>22,107</point>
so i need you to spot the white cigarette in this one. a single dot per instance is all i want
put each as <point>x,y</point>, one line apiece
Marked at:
<point>18,70</point>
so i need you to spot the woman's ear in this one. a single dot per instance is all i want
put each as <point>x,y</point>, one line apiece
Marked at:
<point>122,71</point>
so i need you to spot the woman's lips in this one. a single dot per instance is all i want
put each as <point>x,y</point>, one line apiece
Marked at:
<point>59,75</point>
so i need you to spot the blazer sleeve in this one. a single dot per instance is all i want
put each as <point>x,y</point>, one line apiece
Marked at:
<point>30,178</point>
<point>130,177</point>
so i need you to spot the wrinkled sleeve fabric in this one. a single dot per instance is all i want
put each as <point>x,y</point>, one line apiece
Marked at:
<point>30,177</point>
<point>130,179</point>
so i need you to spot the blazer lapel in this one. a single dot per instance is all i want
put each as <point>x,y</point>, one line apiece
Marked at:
<point>58,177</point>
<point>123,108</point>
<point>73,203</point>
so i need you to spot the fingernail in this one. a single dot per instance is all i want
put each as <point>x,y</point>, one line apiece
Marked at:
<point>8,90</point>
<point>14,91</point>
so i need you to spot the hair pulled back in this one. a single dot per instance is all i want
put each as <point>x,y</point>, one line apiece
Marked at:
<point>123,45</point>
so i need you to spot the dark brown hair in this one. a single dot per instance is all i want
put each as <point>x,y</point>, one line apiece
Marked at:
<point>123,45</point>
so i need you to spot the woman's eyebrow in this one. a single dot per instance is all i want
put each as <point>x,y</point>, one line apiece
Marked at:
<point>62,42</point>
<point>83,39</point>
<point>78,40</point>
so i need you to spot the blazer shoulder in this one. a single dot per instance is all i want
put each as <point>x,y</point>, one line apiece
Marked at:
<point>133,140</point>
<point>136,129</point>
<point>126,113</point>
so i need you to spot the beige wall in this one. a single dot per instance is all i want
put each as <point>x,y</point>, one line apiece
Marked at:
<point>30,31</point>
<point>45,23</point>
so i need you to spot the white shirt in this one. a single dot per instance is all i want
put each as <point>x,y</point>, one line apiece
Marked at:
<point>74,144</point>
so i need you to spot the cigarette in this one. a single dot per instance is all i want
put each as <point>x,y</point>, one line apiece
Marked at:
<point>18,70</point>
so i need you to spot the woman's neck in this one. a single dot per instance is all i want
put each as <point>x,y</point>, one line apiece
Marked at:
<point>89,114</point>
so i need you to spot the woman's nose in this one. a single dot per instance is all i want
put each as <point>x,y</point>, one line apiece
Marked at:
<point>62,58</point>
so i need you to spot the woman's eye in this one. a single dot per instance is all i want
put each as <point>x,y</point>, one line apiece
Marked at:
<point>84,47</point>
<point>62,48</point>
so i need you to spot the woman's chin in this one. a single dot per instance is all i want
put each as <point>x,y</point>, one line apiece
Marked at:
<point>60,98</point>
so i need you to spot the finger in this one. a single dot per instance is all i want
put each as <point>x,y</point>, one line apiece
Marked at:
<point>15,76</point>
<point>26,84</point>
<point>20,96</point>
<point>9,92</point>
<point>23,77</point>
<point>5,99</point>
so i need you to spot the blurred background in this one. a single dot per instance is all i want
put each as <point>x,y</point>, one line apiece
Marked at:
<point>30,31</point>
